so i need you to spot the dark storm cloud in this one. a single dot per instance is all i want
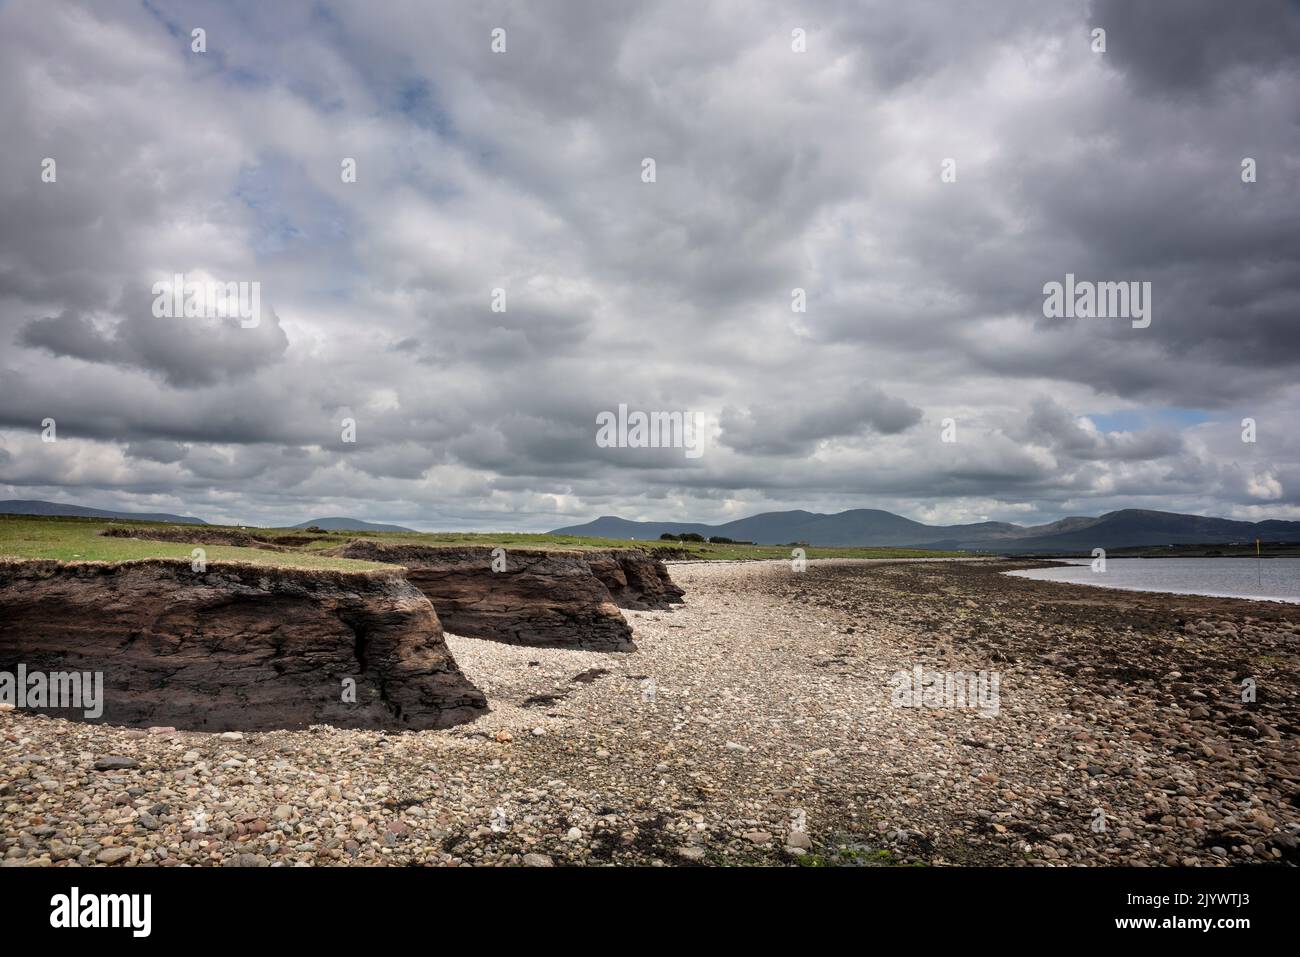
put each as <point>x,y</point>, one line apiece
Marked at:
<point>796,427</point>
<point>1189,46</point>
<point>776,171</point>
<point>187,353</point>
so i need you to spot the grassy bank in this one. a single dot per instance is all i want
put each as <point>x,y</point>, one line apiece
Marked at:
<point>79,539</point>
<point>686,550</point>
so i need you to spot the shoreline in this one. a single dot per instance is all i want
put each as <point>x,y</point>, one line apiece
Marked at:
<point>754,725</point>
<point>1171,591</point>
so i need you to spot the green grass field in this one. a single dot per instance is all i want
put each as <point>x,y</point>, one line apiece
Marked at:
<point>78,539</point>
<point>696,550</point>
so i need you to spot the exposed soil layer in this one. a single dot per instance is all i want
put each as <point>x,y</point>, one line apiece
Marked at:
<point>190,535</point>
<point>540,598</point>
<point>237,646</point>
<point>636,579</point>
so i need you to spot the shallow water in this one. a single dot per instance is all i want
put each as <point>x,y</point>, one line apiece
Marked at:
<point>1273,579</point>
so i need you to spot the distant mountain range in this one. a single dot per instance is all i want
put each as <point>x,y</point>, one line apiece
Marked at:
<point>866,527</point>
<point>19,506</point>
<point>36,507</point>
<point>350,525</point>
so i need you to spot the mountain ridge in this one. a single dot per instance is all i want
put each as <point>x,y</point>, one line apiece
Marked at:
<point>336,523</point>
<point>33,506</point>
<point>876,527</point>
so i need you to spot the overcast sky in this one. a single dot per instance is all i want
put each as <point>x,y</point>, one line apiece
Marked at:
<point>774,170</point>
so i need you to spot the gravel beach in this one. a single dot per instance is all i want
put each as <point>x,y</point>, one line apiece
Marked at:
<point>758,723</point>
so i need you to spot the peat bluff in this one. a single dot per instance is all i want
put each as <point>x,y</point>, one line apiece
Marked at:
<point>253,647</point>
<point>244,647</point>
<point>550,599</point>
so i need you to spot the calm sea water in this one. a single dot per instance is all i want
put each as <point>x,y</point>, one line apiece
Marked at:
<point>1273,579</point>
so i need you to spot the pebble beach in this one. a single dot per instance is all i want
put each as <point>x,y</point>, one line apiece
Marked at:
<point>759,723</point>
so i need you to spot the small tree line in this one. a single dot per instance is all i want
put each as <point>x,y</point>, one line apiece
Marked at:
<point>697,537</point>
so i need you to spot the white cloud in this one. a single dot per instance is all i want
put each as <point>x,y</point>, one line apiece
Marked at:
<point>776,170</point>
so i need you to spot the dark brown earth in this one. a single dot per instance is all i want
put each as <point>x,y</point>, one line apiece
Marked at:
<point>524,608</point>
<point>546,599</point>
<point>238,646</point>
<point>197,535</point>
<point>635,579</point>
